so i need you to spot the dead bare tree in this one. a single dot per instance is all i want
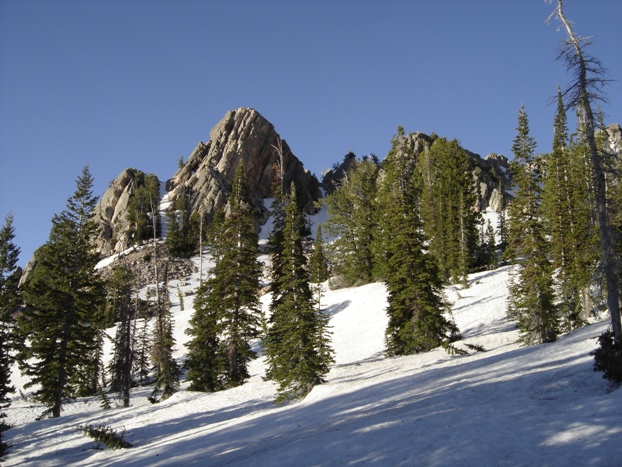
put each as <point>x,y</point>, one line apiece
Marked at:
<point>586,87</point>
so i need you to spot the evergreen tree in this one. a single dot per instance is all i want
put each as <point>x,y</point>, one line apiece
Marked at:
<point>142,206</point>
<point>143,339</point>
<point>297,343</point>
<point>585,89</point>
<point>415,303</point>
<point>532,300</point>
<point>166,370</point>
<point>63,314</point>
<point>318,270</point>
<point>206,363</point>
<point>227,308</point>
<point>450,220</point>
<point>352,222</point>
<point>566,206</point>
<point>182,233</point>
<point>9,303</point>
<point>119,300</point>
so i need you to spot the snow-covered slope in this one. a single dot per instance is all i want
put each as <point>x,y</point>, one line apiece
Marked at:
<point>509,405</point>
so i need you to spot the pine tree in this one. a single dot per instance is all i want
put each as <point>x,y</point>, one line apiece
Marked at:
<point>585,89</point>
<point>145,190</point>
<point>297,343</point>
<point>165,367</point>
<point>532,300</point>
<point>119,299</point>
<point>182,233</point>
<point>206,364</point>
<point>416,306</point>
<point>227,307</point>
<point>450,221</point>
<point>565,201</point>
<point>64,298</point>
<point>9,303</point>
<point>140,329</point>
<point>318,268</point>
<point>352,222</point>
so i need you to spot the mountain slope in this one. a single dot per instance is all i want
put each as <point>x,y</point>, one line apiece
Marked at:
<point>506,406</point>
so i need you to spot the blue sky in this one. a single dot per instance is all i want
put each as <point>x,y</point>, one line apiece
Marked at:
<point>117,84</point>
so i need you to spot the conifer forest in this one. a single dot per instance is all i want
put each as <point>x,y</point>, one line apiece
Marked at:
<point>273,280</point>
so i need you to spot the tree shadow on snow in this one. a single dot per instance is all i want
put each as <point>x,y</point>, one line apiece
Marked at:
<point>481,411</point>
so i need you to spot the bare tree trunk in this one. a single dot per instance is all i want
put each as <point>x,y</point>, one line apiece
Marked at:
<point>580,98</point>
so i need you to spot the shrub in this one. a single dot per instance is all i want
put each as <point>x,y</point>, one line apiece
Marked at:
<point>607,358</point>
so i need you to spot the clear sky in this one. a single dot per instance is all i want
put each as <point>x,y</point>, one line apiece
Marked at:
<point>131,83</point>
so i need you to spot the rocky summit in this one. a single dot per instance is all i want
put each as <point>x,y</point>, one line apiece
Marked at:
<point>205,179</point>
<point>243,135</point>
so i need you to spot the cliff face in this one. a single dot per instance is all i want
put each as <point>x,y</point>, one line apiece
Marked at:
<point>243,135</point>
<point>111,214</point>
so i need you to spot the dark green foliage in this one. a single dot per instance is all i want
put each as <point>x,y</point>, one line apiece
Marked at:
<point>416,305</point>
<point>106,435</point>
<point>143,203</point>
<point>318,267</point>
<point>297,343</point>
<point>227,309</point>
<point>566,204</point>
<point>352,222</point>
<point>166,370</point>
<point>585,88</point>
<point>119,301</point>
<point>448,208</point>
<point>142,342</point>
<point>182,233</point>
<point>206,364</point>
<point>104,400</point>
<point>608,358</point>
<point>532,300</point>
<point>9,303</point>
<point>62,323</point>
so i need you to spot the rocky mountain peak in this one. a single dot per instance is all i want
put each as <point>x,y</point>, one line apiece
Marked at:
<point>205,178</point>
<point>243,135</point>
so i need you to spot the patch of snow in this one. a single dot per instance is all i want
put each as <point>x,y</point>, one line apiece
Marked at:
<point>509,405</point>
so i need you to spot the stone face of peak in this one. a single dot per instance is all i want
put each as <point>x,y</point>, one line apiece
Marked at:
<point>243,135</point>
<point>111,214</point>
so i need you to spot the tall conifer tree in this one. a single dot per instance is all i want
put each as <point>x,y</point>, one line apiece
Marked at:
<point>297,343</point>
<point>450,221</point>
<point>182,234</point>
<point>318,268</point>
<point>64,297</point>
<point>532,300</point>
<point>166,370</point>
<point>566,206</point>
<point>416,305</point>
<point>9,303</point>
<point>227,309</point>
<point>352,221</point>
<point>119,301</point>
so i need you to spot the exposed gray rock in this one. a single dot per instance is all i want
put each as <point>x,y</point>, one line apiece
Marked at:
<point>111,214</point>
<point>242,135</point>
